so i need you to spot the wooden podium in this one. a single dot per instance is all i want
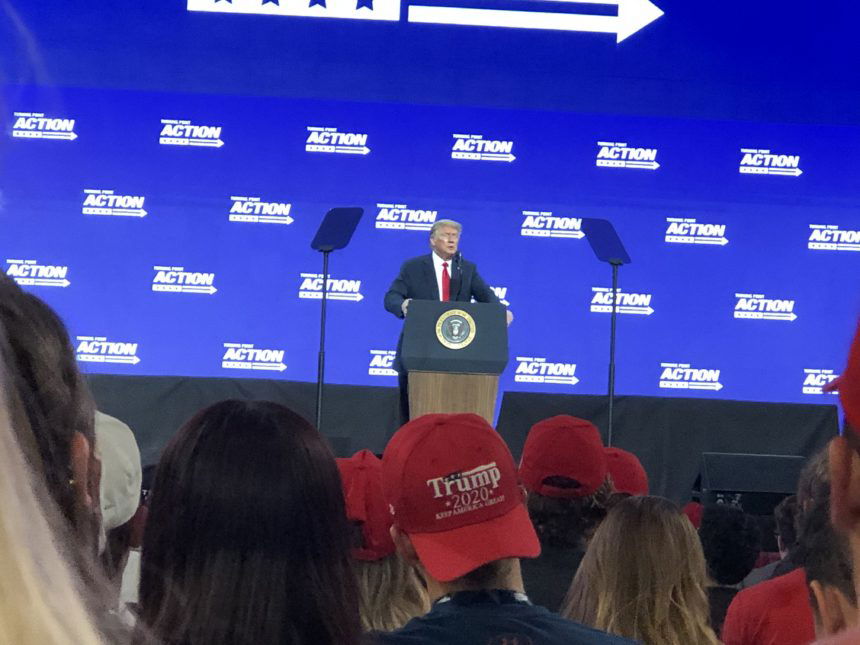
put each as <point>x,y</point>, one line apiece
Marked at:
<point>454,353</point>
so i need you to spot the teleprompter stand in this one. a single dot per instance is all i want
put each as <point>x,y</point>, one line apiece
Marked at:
<point>334,233</point>
<point>607,246</point>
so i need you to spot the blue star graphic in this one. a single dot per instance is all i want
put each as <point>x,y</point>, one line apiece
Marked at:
<point>361,4</point>
<point>227,1</point>
<point>272,1</point>
<point>315,3</point>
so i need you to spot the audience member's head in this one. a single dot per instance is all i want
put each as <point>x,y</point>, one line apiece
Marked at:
<point>563,467</point>
<point>41,595</point>
<point>828,566</point>
<point>390,591</point>
<point>785,518</point>
<point>628,475</point>
<point>731,542</point>
<point>247,539</point>
<point>56,405</point>
<point>845,458</point>
<point>644,577</point>
<point>458,509</point>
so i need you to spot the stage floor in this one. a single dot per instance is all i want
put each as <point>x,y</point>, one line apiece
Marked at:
<point>668,434</point>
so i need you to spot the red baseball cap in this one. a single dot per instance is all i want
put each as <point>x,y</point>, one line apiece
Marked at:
<point>452,487</point>
<point>627,472</point>
<point>361,476</point>
<point>848,385</point>
<point>563,446</point>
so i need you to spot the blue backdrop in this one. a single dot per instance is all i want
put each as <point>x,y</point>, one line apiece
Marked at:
<point>164,171</point>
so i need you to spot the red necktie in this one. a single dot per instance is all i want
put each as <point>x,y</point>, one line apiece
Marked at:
<point>446,282</point>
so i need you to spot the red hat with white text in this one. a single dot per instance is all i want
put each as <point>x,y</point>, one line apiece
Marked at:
<point>452,487</point>
<point>361,477</point>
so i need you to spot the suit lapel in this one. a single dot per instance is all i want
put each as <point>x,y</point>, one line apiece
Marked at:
<point>430,274</point>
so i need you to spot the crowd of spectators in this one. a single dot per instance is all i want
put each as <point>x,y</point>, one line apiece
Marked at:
<point>254,533</point>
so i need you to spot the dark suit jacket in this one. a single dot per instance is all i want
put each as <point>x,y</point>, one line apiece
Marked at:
<point>417,279</point>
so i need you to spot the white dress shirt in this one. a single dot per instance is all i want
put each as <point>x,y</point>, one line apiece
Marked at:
<point>437,265</point>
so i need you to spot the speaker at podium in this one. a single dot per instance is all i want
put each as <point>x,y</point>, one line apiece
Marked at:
<point>454,353</point>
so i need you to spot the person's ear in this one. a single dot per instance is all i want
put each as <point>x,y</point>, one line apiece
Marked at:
<point>844,485</point>
<point>404,546</point>
<point>835,612</point>
<point>82,467</point>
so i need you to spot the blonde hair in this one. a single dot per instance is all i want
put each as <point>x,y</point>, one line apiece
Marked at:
<point>643,577</point>
<point>390,593</point>
<point>41,600</point>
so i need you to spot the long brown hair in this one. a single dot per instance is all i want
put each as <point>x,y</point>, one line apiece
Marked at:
<point>643,577</point>
<point>247,540</point>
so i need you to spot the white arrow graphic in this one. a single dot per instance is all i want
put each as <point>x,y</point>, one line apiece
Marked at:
<point>248,365</point>
<point>317,295</point>
<point>612,163</point>
<point>756,170</point>
<point>760,315</point>
<point>633,15</point>
<point>42,282</point>
<point>39,134</point>
<point>119,212</point>
<point>351,150</point>
<point>98,358</point>
<point>622,309</point>
<point>183,288</point>
<point>721,241</point>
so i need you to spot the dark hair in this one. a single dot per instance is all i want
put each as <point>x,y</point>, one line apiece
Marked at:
<point>731,541</point>
<point>247,539</point>
<point>51,391</point>
<point>814,480</point>
<point>827,557</point>
<point>563,522</point>
<point>785,517</point>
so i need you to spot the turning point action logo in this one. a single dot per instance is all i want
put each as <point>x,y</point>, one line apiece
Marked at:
<point>402,218</point>
<point>763,162</point>
<point>35,125</point>
<point>545,224</point>
<point>540,370</point>
<point>256,211</point>
<point>177,280</point>
<point>382,362</point>
<point>330,140</point>
<point>98,349</point>
<point>682,376</point>
<point>829,237</point>
<point>686,230</point>
<point>180,132</point>
<point>628,303</point>
<point>619,155</point>
<point>754,306</point>
<point>29,273</point>
<point>107,202</point>
<point>475,147</point>
<point>814,380</point>
<point>312,285</point>
<point>244,356</point>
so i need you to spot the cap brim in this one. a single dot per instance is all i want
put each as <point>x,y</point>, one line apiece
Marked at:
<point>448,555</point>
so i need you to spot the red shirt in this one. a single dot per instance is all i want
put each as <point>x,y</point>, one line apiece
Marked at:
<point>775,612</point>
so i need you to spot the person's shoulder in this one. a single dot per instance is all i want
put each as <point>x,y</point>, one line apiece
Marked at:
<point>416,261</point>
<point>582,633</point>
<point>775,587</point>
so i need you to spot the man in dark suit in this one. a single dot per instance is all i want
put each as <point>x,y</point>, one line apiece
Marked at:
<point>440,275</point>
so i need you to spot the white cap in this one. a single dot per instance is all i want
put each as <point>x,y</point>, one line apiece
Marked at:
<point>121,471</point>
